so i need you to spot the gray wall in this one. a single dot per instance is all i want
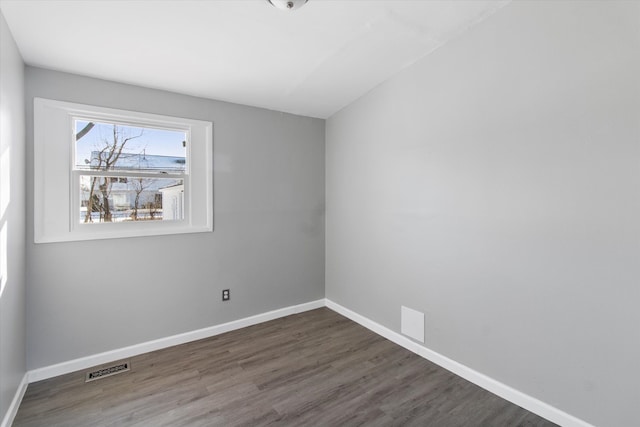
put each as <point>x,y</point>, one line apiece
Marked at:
<point>267,245</point>
<point>495,186</point>
<point>12,190</point>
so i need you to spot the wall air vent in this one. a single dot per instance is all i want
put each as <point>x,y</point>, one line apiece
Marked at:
<point>107,372</point>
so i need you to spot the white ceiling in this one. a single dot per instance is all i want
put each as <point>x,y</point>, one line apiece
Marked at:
<point>312,61</point>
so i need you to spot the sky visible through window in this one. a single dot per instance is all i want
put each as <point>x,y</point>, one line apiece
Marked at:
<point>155,142</point>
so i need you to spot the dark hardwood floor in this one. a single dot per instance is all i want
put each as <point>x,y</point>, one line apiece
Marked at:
<point>311,369</point>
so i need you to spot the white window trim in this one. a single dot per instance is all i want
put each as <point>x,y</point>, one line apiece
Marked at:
<point>55,201</point>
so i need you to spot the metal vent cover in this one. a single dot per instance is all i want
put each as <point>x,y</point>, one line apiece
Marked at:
<point>108,371</point>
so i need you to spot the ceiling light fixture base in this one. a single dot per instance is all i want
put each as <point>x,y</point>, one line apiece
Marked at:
<point>288,4</point>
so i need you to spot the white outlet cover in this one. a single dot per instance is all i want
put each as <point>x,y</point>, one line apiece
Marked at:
<point>412,323</point>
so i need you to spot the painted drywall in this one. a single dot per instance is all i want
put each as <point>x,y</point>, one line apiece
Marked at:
<point>12,224</point>
<point>495,186</point>
<point>267,246</point>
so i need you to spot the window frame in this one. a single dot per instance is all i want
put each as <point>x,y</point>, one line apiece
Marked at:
<point>57,178</point>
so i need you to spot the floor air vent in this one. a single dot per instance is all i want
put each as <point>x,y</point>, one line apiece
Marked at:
<point>107,372</point>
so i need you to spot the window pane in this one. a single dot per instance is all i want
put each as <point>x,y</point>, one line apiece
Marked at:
<point>109,146</point>
<point>118,199</point>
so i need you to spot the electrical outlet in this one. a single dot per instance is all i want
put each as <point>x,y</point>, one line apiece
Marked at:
<point>226,295</point>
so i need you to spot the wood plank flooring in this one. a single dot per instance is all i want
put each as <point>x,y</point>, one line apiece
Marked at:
<point>311,369</point>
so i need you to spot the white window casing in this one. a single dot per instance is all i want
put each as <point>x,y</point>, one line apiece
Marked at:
<point>57,183</point>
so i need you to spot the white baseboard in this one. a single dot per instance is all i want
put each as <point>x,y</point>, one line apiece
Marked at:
<point>15,403</point>
<point>512,395</point>
<point>496,387</point>
<point>137,349</point>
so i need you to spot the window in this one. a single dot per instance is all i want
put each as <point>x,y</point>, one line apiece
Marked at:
<point>120,171</point>
<point>105,173</point>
